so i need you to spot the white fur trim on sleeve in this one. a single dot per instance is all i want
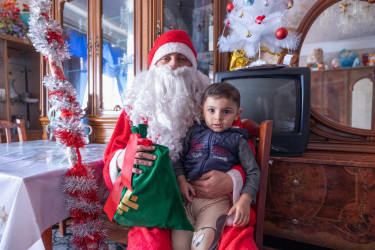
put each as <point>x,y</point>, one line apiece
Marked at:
<point>113,171</point>
<point>168,48</point>
<point>237,187</point>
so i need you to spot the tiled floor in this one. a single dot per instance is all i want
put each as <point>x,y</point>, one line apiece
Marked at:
<point>270,243</point>
<point>64,242</point>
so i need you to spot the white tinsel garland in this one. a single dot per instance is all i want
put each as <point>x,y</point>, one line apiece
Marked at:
<point>40,25</point>
<point>65,116</point>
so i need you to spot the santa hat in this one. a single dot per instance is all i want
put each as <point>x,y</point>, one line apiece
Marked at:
<point>170,42</point>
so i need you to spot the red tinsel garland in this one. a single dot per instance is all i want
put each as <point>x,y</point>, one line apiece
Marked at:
<point>69,139</point>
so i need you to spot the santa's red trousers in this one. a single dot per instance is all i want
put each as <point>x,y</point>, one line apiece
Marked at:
<point>233,238</point>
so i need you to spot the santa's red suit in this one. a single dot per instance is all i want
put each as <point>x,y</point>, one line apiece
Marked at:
<point>156,238</point>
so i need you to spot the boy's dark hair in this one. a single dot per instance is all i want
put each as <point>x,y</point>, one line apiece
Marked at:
<point>222,89</point>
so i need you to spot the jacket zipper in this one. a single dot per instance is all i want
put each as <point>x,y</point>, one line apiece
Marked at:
<point>208,155</point>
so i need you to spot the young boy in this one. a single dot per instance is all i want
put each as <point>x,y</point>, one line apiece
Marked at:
<point>214,145</point>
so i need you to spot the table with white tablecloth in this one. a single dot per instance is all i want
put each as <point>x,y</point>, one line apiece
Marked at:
<point>31,196</point>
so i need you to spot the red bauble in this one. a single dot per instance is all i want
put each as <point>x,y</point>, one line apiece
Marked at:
<point>227,23</point>
<point>230,7</point>
<point>281,33</point>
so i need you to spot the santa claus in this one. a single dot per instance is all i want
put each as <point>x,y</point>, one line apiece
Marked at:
<point>167,97</point>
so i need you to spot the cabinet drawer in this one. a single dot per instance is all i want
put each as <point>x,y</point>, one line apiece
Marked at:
<point>306,199</point>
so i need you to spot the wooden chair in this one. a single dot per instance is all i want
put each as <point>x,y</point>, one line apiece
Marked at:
<point>261,137</point>
<point>8,126</point>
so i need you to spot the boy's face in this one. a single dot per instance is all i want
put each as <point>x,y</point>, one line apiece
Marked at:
<point>219,113</point>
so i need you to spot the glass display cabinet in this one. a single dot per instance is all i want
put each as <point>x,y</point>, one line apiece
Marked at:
<point>197,18</point>
<point>20,83</point>
<point>101,44</point>
<point>202,19</point>
<point>109,43</point>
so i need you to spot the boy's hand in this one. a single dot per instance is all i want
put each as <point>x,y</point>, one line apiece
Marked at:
<point>242,209</point>
<point>186,189</point>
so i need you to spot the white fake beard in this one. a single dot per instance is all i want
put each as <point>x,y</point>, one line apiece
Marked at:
<point>170,102</point>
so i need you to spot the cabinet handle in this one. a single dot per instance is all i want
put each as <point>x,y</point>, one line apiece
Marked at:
<point>295,182</point>
<point>101,104</point>
<point>295,221</point>
<point>97,45</point>
<point>117,108</point>
<point>89,46</point>
<point>158,29</point>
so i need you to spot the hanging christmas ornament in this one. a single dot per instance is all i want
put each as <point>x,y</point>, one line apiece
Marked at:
<point>290,4</point>
<point>266,3</point>
<point>281,33</point>
<point>227,23</point>
<point>259,19</point>
<point>241,15</point>
<point>199,28</point>
<point>248,34</point>
<point>248,2</point>
<point>230,7</point>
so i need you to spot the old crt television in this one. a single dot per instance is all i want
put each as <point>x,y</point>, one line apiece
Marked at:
<point>278,93</point>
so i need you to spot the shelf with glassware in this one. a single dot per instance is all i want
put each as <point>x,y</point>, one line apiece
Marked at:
<point>20,83</point>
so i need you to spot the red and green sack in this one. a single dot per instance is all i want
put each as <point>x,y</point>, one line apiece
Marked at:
<point>150,199</point>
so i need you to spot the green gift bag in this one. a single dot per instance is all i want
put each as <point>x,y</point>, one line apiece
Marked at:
<point>153,200</point>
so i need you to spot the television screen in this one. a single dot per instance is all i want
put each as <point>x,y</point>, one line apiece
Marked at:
<point>280,94</point>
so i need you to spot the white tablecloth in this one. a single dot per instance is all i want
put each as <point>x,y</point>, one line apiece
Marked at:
<point>31,198</point>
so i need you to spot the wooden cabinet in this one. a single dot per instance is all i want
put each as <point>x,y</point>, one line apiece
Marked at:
<point>323,198</point>
<point>20,83</point>
<point>326,197</point>
<point>110,41</point>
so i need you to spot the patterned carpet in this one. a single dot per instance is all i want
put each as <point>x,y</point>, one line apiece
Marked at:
<point>64,242</point>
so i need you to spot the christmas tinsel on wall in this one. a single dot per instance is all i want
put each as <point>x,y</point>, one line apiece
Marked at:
<point>79,183</point>
<point>253,24</point>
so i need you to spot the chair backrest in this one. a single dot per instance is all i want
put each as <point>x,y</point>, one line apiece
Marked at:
<point>8,126</point>
<point>264,133</point>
